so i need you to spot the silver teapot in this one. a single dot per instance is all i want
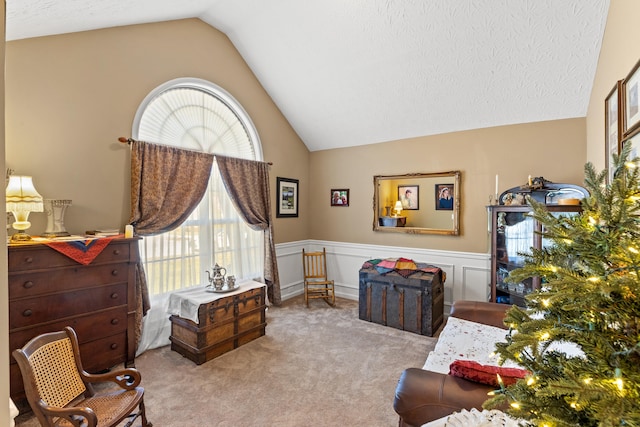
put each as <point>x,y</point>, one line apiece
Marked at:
<point>217,280</point>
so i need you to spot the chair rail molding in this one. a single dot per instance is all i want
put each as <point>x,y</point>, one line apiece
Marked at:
<point>468,273</point>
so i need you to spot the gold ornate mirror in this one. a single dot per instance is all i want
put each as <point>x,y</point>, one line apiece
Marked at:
<point>418,203</point>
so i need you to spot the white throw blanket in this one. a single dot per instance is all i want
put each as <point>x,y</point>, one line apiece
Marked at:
<point>464,340</point>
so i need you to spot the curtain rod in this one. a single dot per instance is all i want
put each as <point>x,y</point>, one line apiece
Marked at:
<point>130,140</point>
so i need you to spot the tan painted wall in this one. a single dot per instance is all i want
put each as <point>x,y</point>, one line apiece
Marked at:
<point>62,129</point>
<point>70,97</point>
<point>619,53</point>
<point>555,150</point>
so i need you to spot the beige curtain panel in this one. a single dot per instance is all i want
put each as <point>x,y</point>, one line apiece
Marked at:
<point>247,183</point>
<point>166,185</point>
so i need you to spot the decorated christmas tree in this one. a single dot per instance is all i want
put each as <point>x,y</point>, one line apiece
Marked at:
<point>579,334</point>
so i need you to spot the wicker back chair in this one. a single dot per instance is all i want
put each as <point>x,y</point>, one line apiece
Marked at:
<point>61,393</point>
<point>316,284</point>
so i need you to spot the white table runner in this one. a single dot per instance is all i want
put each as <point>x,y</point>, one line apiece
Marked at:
<point>185,302</point>
<point>475,418</point>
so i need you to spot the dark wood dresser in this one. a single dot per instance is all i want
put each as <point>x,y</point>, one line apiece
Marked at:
<point>414,303</point>
<point>48,291</point>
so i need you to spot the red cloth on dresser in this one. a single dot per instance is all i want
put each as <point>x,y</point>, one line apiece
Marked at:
<point>82,251</point>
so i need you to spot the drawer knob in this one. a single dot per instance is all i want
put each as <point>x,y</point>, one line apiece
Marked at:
<point>28,284</point>
<point>114,346</point>
<point>114,272</point>
<point>116,251</point>
<point>27,312</point>
<point>115,321</point>
<point>28,260</point>
<point>114,295</point>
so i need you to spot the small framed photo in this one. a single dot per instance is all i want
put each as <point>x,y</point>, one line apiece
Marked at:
<point>340,197</point>
<point>612,126</point>
<point>409,196</point>
<point>630,92</point>
<point>287,202</point>
<point>444,197</point>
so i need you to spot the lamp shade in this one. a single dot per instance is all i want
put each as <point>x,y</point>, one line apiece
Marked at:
<point>22,196</point>
<point>398,208</point>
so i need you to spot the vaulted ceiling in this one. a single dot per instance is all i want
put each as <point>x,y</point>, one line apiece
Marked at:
<point>354,72</point>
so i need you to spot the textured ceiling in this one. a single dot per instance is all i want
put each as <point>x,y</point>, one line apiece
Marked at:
<point>356,72</point>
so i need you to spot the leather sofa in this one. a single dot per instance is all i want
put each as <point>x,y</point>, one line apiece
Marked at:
<point>423,396</point>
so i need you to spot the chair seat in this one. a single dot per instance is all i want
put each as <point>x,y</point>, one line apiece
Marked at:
<point>109,406</point>
<point>319,289</point>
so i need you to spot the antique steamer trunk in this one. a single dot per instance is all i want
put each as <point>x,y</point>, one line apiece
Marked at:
<point>223,324</point>
<point>414,303</point>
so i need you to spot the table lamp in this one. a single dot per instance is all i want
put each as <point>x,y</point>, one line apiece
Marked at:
<point>397,209</point>
<point>22,199</point>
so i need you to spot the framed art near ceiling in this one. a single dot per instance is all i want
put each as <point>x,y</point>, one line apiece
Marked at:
<point>631,107</point>
<point>444,197</point>
<point>340,197</point>
<point>409,196</point>
<point>612,126</point>
<point>287,201</point>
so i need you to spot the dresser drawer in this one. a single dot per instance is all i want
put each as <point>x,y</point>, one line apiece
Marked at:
<point>104,353</point>
<point>87,326</point>
<point>16,387</point>
<point>31,311</point>
<point>65,279</point>
<point>43,257</point>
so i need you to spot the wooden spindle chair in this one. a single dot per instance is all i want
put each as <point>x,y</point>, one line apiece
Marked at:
<point>61,393</point>
<point>316,283</point>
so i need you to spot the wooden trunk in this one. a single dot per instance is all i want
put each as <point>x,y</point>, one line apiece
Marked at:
<point>414,304</point>
<point>223,325</point>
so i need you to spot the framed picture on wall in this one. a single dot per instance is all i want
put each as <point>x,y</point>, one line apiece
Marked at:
<point>287,202</point>
<point>612,126</point>
<point>409,196</point>
<point>634,142</point>
<point>340,197</point>
<point>444,197</point>
<point>630,93</point>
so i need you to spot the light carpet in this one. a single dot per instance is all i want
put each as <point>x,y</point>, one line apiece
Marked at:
<point>316,366</point>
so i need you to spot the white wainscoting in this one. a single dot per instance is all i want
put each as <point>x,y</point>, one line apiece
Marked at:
<point>468,274</point>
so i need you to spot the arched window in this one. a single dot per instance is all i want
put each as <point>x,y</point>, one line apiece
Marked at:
<point>197,115</point>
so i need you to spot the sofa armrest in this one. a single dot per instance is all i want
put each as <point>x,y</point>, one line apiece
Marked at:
<point>423,396</point>
<point>488,313</point>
